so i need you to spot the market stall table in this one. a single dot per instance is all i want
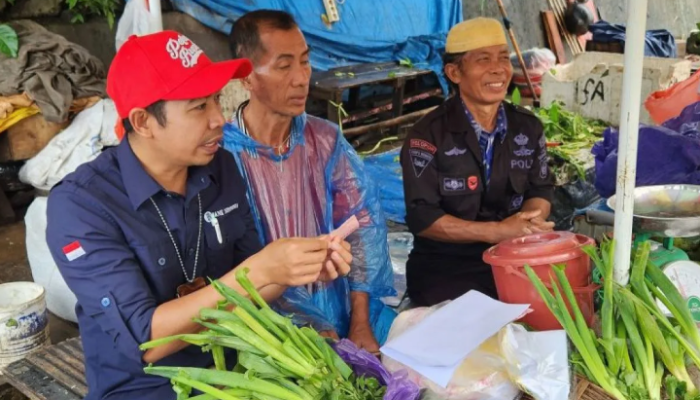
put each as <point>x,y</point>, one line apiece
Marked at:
<point>330,85</point>
<point>57,373</point>
<point>53,373</point>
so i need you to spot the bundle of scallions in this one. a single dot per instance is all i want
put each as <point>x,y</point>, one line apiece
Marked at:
<point>640,348</point>
<point>276,359</point>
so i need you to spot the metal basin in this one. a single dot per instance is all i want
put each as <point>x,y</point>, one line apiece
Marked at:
<point>667,211</point>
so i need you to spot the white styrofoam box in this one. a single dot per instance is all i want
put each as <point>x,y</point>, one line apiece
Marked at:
<point>592,84</point>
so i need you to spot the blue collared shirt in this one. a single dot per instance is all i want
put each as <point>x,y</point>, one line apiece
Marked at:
<point>487,139</point>
<point>115,254</point>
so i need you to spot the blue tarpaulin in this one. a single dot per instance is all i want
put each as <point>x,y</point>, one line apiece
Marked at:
<point>368,31</point>
<point>385,171</point>
<point>657,43</point>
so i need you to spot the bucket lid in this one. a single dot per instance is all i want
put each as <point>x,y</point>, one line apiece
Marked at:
<point>537,246</point>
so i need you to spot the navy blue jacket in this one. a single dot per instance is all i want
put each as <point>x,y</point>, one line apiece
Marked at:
<point>114,253</point>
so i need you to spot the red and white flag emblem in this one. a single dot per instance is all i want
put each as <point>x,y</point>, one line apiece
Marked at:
<point>73,251</point>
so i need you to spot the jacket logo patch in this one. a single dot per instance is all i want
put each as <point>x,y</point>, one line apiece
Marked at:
<point>453,184</point>
<point>543,142</point>
<point>455,152</point>
<point>420,160</point>
<point>544,171</point>
<point>423,145</point>
<point>523,152</point>
<point>516,202</point>
<point>473,182</point>
<point>521,140</point>
<point>520,164</point>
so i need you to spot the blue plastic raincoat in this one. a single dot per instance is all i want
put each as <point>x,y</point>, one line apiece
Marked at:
<point>310,190</point>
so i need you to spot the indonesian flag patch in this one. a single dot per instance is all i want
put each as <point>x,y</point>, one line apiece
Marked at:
<point>73,251</point>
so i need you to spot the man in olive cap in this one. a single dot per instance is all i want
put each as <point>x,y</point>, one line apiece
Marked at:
<point>475,170</point>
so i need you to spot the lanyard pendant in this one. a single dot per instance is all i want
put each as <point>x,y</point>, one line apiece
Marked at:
<point>188,288</point>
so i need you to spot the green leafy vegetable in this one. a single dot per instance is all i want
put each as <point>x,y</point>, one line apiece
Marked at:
<point>9,43</point>
<point>406,62</point>
<point>516,98</point>
<point>573,135</point>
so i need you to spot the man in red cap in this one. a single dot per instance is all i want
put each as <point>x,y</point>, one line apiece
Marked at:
<point>136,232</point>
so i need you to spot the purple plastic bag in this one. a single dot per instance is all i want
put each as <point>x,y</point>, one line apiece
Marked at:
<point>399,387</point>
<point>668,154</point>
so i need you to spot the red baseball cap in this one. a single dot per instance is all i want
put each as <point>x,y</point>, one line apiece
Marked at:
<point>166,66</point>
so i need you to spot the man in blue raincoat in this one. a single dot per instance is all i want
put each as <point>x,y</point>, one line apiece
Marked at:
<point>304,179</point>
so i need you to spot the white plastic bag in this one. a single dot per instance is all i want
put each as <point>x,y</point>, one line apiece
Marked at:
<point>482,375</point>
<point>80,142</point>
<point>537,362</point>
<point>537,62</point>
<point>136,20</point>
<point>59,299</point>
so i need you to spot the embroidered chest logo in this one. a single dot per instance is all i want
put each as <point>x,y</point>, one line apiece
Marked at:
<point>453,184</point>
<point>184,50</point>
<point>211,215</point>
<point>473,182</point>
<point>422,154</point>
<point>522,141</point>
<point>455,152</point>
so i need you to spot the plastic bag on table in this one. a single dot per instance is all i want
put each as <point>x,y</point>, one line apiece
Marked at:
<point>537,361</point>
<point>678,153</point>
<point>666,104</point>
<point>136,20</point>
<point>688,122</point>
<point>400,245</point>
<point>537,61</point>
<point>572,197</point>
<point>482,375</point>
<point>399,387</point>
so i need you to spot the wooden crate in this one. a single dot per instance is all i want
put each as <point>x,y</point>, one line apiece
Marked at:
<point>586,390</point>
<point>606,47</point>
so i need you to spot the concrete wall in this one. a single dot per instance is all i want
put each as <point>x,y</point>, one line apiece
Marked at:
<point>678,16</point>
<point>96,36</point>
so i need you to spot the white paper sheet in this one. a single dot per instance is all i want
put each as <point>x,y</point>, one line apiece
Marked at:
<point>437,345</point>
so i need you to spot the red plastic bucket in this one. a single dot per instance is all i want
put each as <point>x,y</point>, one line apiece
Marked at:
<point>540,251</point>
<point>541,319</point>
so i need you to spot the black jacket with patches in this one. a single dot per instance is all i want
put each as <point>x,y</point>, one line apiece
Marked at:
<point>443,174</point>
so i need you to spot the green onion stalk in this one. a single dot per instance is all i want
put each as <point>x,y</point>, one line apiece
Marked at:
<point>276,359</point>
<point>638,344</point>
